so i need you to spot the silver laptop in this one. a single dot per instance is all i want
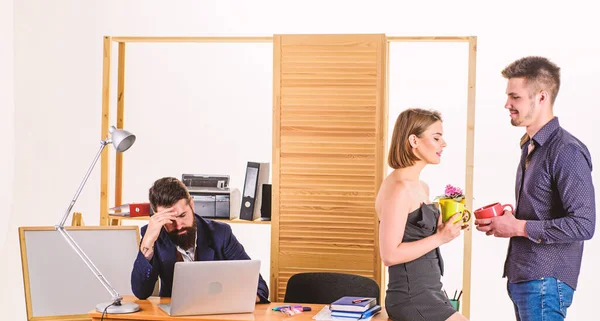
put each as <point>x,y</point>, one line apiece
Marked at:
<point>213,287</point>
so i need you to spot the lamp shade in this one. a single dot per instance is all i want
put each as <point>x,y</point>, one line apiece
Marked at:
<point>121,139</point>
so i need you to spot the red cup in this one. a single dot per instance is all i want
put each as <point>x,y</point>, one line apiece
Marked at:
<point>492,210</point>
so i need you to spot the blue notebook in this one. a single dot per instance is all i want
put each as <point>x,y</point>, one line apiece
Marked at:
<point>357,315</point>
<point>346,304</point>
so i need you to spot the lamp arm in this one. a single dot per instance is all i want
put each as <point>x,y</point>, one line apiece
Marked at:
<point>103,144</point>
<point>115,295</point>
<point>60,227</point>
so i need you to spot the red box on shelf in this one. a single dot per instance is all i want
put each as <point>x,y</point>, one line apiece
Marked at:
<point>139,209</point>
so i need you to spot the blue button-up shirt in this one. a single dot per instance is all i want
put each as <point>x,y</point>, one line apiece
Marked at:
<point>555,195</point>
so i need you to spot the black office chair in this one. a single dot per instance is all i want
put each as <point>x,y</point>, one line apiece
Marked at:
<point>325,287</point>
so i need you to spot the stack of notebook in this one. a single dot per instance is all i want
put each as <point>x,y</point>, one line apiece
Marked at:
<point>354,308</point>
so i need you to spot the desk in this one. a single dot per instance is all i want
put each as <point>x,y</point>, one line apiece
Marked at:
<point>149,311</point>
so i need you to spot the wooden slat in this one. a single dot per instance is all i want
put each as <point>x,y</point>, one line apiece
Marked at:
<point>275,186</point>
<point>469,166</point>
<point>428,39</point>
<point>328,104</point>
<point>328,149</point>
<point>330,42</point>
<point>328,199</point>
<point>194,39</point>
<point>120,124</point>
<point>381,151</point>
<point>383,277</point>
<point>104,165</point>
<point>330,171</point>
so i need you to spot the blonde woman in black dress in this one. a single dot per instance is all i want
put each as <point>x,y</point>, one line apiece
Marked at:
<point>411,229</point>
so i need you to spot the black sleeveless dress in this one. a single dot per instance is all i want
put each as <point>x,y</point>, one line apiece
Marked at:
<point>415,289</point>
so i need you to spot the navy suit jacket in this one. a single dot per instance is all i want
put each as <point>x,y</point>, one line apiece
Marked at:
<point>215,242</point>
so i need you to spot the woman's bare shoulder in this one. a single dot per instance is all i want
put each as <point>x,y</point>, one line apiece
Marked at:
<point>393,189</point>
<point>425,187</point>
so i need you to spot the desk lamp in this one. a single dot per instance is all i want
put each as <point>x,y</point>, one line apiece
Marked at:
<point>121,140</point>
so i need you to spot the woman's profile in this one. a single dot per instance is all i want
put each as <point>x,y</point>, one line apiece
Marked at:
<point>411,229</point>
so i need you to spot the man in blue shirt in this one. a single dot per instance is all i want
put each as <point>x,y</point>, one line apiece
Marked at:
<point>555,206</point>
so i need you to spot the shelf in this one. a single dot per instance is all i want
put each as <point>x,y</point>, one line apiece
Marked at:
<point>119,217</point>
<point>237,220</point>
<point>145,218</point>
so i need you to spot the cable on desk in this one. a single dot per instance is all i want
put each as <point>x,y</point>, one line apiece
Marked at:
<point>104,312</point>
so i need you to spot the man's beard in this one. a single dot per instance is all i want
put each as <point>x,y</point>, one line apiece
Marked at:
<point>186,240</point>
<point>517,122</point>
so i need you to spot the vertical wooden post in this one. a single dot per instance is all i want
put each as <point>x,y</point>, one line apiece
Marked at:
<point>466,296</point>
<point>384,269</point>
<point>77,219</point>
<point>276,168</point>
<point>106,52</point>
<point>120,118</point>
<point>381,150</point>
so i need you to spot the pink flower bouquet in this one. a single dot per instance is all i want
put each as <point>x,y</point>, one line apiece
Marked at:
<point>452,192</point>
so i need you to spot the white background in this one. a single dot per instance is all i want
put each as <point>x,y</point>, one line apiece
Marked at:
<point>207,108</point>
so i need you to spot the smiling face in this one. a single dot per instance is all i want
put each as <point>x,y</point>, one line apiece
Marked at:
<point>521,102</point>
<point>532,88</point>
<point>417,137</point>
<point>429,146</point>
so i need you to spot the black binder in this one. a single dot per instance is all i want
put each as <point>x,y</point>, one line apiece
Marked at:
<point>265,207</point>
<point>257,174</point>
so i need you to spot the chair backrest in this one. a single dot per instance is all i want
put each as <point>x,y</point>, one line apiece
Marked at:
<point>325,287</point>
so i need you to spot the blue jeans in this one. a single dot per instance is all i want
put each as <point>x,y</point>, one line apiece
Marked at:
<point>545,299</point>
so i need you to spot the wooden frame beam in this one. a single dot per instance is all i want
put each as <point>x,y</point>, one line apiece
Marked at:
<point>469,166</point>
<point>194,39</point>
<point>429,39</point>
<point>120,125</point>
<point>276,156</point>
<point>104,161</point>
<point>383,85</point>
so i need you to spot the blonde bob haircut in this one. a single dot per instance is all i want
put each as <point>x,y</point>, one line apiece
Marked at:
<point>413,121</point>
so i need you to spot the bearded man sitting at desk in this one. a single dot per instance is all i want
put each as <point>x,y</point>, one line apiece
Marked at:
<point>174,234</point>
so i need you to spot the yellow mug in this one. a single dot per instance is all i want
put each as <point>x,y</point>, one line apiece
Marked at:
<point>451,207</point>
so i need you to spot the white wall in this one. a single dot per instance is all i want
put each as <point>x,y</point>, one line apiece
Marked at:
<point>58,48</point>
<point>7,124</point>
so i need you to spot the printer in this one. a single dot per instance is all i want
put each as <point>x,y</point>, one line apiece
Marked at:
<point>212,196</point>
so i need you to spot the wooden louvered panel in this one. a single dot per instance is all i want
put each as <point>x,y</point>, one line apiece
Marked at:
<point>330,121</point>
